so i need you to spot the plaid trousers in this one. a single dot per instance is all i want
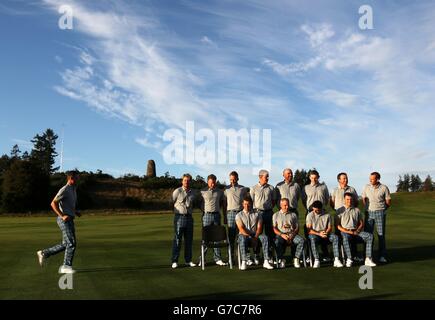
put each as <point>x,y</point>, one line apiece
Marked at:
<point>245,242</point>
<point>378,219</point>
<point>232,227</point>
<point>281,244</point>
<point>268,227</point>
<point>332,238</point>
<point>183,227</point>
<point>208,219</point>
<point>68,244</point>
<point>365,237</point>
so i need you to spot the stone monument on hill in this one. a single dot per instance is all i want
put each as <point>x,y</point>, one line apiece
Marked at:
<point>151,169</point>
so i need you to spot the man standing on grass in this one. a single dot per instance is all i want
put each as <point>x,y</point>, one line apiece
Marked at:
<point>350,222</point>
<point>377,199</point>
<point>212,200</point>
<point>288,189</point>
<point>263,198</point>
<point>64,205</point>
<point>233,204</point>
<point>315,191</point>
<point>337,196</point>
<point>183,198</point>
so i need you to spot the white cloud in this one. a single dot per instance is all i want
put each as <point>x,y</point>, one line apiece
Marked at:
<point>318,34</point>
<point>205,40</point>
<point>148,144</point>
<point>382,90</point>
<point>339,98</point>
<point>127,76</point>
<point>296,67</point>
<point>362,52</point>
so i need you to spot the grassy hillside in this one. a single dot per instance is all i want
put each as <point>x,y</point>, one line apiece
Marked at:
<point>128,257</point>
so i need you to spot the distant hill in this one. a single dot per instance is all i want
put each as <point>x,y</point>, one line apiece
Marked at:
<point>119,194</point>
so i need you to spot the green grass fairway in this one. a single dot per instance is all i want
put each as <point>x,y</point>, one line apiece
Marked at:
<point>128,257</point>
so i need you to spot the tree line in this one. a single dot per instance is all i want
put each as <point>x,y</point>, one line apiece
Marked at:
<point>413,183</point>
<point>29,180</point>
<point>25,177</point>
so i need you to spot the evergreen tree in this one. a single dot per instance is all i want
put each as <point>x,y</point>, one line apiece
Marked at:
<point>24,187</point>
<point>15,152</point>
<point>416,183</point>
<point>399,185</point>
<point>302,177</point>
<point>406,182</point>
<point>4,165</point>
<point>43,153</point>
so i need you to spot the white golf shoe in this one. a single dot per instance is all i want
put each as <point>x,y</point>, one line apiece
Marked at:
<point>66,269</point>
<point>221,263</point>
<point>296,263</point>
<point>190,264</point>
<point>243,265</point>
<point>369,262</point>
<point>337,263</point>
<point>41,259</point>
<point>267,265</point>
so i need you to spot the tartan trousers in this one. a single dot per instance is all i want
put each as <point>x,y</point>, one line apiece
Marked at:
<point>377,219</point>
<point>332,238</point>
<point>183,227</point>
<point>268,227</point>
<point>68,244</point>
<point>281,244</point>
<point>365,237</point>
<point>232,227</point>
<point>245,242</point>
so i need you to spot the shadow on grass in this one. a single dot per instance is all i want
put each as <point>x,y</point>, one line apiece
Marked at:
<point>116,269</point>
<point>396,255</point>
<point>376,296</point>
<point>411,254</point>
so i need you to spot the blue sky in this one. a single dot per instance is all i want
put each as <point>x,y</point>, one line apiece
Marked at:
<point>335,97</point>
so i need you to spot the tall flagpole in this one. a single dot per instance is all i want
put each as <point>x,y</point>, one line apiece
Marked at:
<point>61,149</point>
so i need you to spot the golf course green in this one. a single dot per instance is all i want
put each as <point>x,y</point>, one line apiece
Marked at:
<point>128,257</point>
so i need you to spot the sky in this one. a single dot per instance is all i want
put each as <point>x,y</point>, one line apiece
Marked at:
<point>131,73</point>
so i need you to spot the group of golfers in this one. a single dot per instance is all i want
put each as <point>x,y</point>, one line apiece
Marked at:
<point>250,220</point>
<point>249,216</point>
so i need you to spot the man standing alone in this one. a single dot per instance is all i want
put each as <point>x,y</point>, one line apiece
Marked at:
<point>64,205</point>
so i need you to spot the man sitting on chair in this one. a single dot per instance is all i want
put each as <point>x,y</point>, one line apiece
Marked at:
<point>286,229</point>
<point>250,225</point>
<point>319,231</point>
<point>350,222</point>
